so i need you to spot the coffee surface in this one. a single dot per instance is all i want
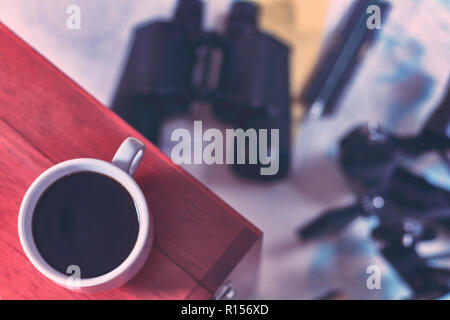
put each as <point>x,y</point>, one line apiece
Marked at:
<point>88,220</point>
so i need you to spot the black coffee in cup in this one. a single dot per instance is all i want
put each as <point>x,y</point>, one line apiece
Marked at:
<point>88,220</point>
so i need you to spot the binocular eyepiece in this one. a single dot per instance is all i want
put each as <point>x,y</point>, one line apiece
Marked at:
<point>173,63</point>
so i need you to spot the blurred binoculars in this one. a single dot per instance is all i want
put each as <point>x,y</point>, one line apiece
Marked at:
<point>242,72</point>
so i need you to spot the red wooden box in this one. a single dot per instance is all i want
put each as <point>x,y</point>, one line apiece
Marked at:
<point>45,118</point>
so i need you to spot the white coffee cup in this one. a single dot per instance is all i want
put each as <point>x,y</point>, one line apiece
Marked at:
<point>123,166</point>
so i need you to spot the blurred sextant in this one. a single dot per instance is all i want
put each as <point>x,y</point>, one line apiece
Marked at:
<point>410,210</point>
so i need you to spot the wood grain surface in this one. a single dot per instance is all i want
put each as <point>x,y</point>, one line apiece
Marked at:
<point>46,118</point>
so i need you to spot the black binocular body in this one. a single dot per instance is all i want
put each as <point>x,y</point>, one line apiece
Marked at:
<point>242,72</point>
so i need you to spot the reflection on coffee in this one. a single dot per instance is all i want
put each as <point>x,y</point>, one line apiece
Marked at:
<point>85,219</point>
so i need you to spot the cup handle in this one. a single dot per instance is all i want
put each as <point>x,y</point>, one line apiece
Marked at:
<point>129,155</point>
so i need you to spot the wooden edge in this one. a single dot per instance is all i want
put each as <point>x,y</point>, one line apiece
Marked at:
<point>226,263</point>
